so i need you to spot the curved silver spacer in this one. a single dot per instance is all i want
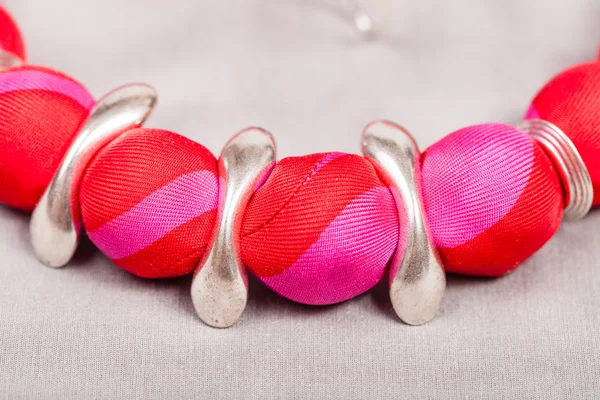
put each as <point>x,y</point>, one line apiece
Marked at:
<point>417,277</point>
<point>56,221</point>
<point>220,286</point>
<point>573,174</point>
<point>9,60</point>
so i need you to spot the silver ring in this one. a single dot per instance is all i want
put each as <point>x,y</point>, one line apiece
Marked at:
<point>220,287</point>
<point>56,221</point>
<point>417,277</point>
<point>572,172</point>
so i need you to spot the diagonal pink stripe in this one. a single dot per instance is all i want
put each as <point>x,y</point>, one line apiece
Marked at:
<point>28,79</point>
<point>185,198</point>
<point>349,257</point>
<point>329,157</point>
<point>461,205</point>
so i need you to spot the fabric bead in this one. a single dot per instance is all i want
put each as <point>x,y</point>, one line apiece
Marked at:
<point>41,111</point>
<point>149,201</point>
<point>492,198</point>
<point>10,36</point>
<point>322,228</point>
<point>571,101</point>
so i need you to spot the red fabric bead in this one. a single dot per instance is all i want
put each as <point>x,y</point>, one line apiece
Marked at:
<point>492,198</point>
<point>41,111</point>
<point>322,228</point>
<point>571,101</point>
<point>149,202</point>
<point>10,36</point>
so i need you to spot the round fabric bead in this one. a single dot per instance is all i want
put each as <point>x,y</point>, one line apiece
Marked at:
<point>321,229</point>
<point>41,111</point>
<point>571,101</point>
<point>149,201</point>
<point>492,198</point>
<point>10,36</point>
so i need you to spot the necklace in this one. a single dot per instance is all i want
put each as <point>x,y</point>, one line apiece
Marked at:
<point>317,229</point>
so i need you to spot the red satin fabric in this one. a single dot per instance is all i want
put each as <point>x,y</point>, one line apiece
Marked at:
<point>571,101</point>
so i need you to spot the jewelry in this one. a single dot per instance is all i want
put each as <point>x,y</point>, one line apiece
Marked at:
<point>317,229</point>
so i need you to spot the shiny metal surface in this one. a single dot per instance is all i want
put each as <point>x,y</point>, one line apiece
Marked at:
<point>417,278</point>
<point>56,222</point>
<point>573,173</point>
<point>220,287</point>
<point>8,60</point>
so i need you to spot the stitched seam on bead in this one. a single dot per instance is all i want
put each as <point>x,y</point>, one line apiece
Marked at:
<point>268,221</point>
<point>182,259</point>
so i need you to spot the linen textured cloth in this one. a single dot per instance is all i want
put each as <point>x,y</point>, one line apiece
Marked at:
<point>298,69</point>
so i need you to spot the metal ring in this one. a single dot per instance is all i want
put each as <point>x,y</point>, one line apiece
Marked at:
<point>417,277</point>
<point>219,287</point>
<point>573,174</point>
<point>56,221</point>
<point>9,60</point>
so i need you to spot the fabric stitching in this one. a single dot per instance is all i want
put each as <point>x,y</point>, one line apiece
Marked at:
<point>184,258</point>
<point>291,197</point>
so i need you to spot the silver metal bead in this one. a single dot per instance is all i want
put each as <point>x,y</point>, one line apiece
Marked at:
<point>219,287</point>
<point>56,222</point>
<point>572,172</point>
<point>9,60</point>
<point>417,278</point>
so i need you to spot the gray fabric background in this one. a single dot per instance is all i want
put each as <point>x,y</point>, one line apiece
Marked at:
<point>298,69</point>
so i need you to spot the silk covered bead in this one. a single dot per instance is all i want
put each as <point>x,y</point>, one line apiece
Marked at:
<point>492,198</point>
<point>321,229</point>
<point>41,111</point>
<point>10,36</point>
<point>149,201</point>
<point>571,101</point>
